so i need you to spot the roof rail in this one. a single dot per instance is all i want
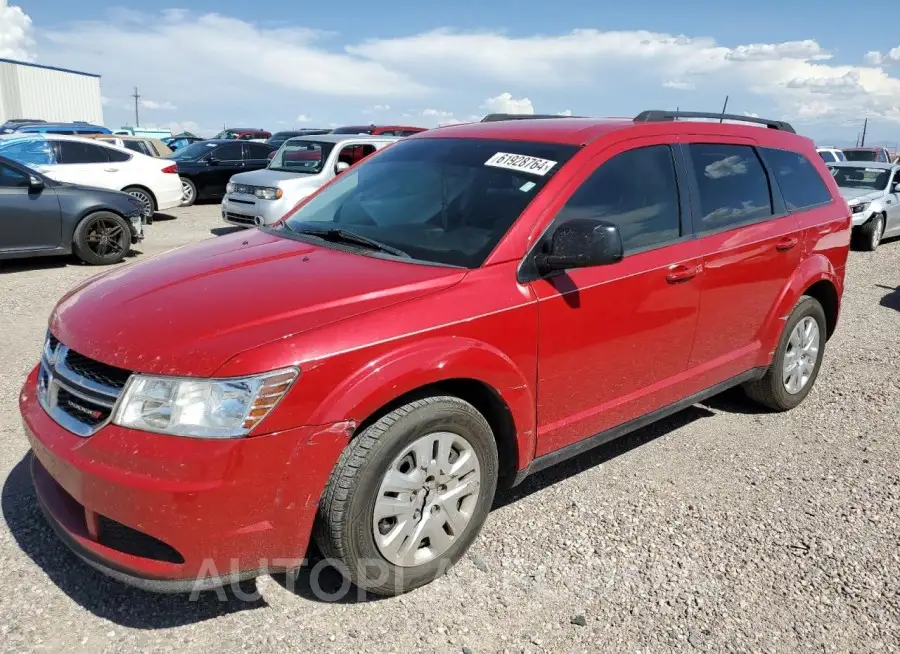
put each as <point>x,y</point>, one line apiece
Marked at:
<point>492,118</point>
<point>655,116</point>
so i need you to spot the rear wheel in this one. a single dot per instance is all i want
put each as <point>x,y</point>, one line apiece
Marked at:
<point>188,192</point>
<point>142,195</point>
<point>102,238</point>
<point>409,495</point>
<point>797,360</point>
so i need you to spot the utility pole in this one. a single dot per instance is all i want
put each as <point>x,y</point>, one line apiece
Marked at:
<point>137,117</point>
<point>724,107</point>
<point>862,141</point>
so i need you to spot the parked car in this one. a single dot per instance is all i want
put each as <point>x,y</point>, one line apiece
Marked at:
<point>40,216</point>
<point>379,130</point>
<point>243,134</point>
<point>12,124</point>
<point>278,138</point>
<point>300,166</point>
<point>145,145</point>
<point>872,189</point>
<point>181,141</point>
<point>145,132</point>
<point>79,128</point>
<point>878,154</point>
<point>154,182</point>
<point>466,306</point>
<point>206,167</point>
<point>831,155</point>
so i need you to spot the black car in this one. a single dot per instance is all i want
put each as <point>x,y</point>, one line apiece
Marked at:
<point>206,167</point>
<point>278,138</point>
<point>13,124</point>
<point>40,216</point>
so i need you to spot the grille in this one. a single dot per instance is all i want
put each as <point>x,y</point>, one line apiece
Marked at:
<point>239,218</point>
<point>76,391</point>
<point>122,538</point>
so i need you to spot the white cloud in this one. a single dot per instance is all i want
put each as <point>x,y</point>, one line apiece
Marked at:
<point>876,58</point>
<point>16,41</point>
<point>806,50</point>
<point>505,103</point>
<point>158,106</point>
<point>302,118</point>
<point>189,126</point>
<point>436,113</point>
<point>381,107</point>
<point>679,85</point>
<point>564,112</point>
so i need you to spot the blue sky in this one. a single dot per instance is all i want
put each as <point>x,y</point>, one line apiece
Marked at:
<point>277,64</point>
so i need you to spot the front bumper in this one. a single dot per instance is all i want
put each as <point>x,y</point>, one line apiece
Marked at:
<point>250,211</point>
<point>179,514</point>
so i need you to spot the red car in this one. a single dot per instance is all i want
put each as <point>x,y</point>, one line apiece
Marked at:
<point>244,134</point>
<point>379,130</point>
<point>461,309</point>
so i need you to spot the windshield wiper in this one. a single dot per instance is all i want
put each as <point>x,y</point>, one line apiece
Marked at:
<point>344,236</point>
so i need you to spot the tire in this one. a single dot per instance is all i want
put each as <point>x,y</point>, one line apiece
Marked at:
<point>87,242</point>
<point>346,527</point>
<point>772,390</point>
<point>870,234</point>
<point>146,198</point>
<point>188,192</point>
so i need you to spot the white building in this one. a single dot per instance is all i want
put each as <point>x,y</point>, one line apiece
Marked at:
<point>44,92</point>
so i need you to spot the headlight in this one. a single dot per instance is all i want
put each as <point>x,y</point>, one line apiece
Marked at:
<point>202,408</point>
<point>859,208</point>
<point>266,193</point>
<point>229,188</point>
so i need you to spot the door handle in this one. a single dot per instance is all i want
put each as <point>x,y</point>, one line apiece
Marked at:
<point>787,243</point>
<point>682,273</point>
<point>111,170</point>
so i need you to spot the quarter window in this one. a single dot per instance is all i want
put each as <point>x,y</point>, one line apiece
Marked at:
<point>799,181</point>
<point>733,186</point>
<point>636,191</point>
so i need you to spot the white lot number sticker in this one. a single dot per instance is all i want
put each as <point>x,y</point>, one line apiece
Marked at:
<point>521,163</point>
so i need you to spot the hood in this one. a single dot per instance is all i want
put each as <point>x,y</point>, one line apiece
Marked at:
<point>855,195</point>
<point>189,311</point>
<point>278,178</point>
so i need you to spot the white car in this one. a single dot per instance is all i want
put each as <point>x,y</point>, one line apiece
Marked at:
<point>830,154</point>
<point>155,182</point>
<point>300,167</point>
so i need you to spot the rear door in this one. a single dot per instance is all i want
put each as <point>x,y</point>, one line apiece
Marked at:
<point>29,218</point>
<point>751,246</point>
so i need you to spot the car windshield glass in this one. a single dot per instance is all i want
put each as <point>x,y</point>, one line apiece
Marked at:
<point>193,151</point>
<point>29,151</point>
<point>301,156</point>
<point>860,155</point>
<point>873,179</point>
<point>441,200</point>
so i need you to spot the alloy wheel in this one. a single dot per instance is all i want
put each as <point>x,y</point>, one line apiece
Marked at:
<point>801,355</point>
<point>106,237</point>
<point>187,192</point>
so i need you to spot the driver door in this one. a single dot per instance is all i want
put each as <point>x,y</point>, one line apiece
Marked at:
<point>29,217</point>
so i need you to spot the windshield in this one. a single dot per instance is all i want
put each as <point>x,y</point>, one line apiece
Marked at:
<point>860,155</point>
<point>301,156</point>
<point>872,179</point>
<point>193,151</point>
<point>29,151</point>
<point>442,200</point>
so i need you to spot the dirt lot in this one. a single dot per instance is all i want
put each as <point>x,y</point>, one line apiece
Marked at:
<point>721,529</point>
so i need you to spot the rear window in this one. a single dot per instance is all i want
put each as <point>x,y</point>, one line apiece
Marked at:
<point>446,201</point>
<point>859,177</point>
<point>799,181</point>
<point>860,155</point>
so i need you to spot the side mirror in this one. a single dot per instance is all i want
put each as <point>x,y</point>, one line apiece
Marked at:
<point>35,183</point>
<point>895,188</point>
<point>581,243</point>
<point>340,167</point>
<point>212,161</point>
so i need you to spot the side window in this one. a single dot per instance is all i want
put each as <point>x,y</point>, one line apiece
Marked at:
<point>75,152</point>
<point>353,153</point>
<point>117,156</point>
<point>257,151</point>
<point>827,157</point>
<point>635,190</point>
<point>733,186</point>
<point>37,152</point>
<point>840,155</point>
<point>12,177</point>
<point>799,181</point>
<point>229,152</point>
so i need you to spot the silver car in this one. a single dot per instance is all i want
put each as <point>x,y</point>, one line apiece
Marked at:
<point>300,166</point>
<point>872,189</point>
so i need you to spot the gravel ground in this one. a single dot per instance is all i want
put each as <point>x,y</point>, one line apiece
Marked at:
<point>720,529</point>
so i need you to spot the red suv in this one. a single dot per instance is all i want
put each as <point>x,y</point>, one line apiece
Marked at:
<point>466,306</point>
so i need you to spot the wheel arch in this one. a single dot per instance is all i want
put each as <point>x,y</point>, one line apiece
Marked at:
<point>143,188</point>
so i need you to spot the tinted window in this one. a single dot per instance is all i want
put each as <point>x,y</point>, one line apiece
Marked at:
<point>860,155</point>
<point>258,151</point>
<point>12,178</point>
<point>799,181</point>
<point>840,156</point>
<point>74,152</point>
<point>229,152</point>
<point>117,155</point>
<point>635,190</point>
<point>732,183</point>
<point>194,151</point>
<point>447,200</point>
<point>353,130</point>
<point>827,157</point>
<point>31,152</point>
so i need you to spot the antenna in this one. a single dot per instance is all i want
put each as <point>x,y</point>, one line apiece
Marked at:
<point>137,117</point>
<point>862,141</point>
<point>724,107</point>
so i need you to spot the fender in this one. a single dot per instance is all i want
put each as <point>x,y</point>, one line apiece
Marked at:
<point>814,269</point>
<point>428,362</point>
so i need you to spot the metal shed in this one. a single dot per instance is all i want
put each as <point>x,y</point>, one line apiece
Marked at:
<point>53,94</point>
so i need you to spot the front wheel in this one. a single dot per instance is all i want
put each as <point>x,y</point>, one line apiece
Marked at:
<point>409,495</point>
<point>797,360</point>
<point>102,238</point>
<point>871,233</point>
